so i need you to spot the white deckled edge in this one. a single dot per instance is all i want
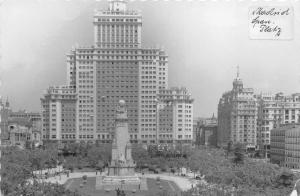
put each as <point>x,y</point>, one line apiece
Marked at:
<point>1,1</point>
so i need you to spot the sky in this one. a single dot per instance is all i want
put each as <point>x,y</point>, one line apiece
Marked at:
<point>205,41</point>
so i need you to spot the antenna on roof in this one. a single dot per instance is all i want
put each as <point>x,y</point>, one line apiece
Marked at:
<point>238,71</point>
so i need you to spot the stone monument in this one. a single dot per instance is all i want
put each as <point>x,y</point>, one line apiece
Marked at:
<point>122,163</point>
<point>121,173</point>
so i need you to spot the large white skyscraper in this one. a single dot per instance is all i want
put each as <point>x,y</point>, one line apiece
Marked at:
<point>116,67</point>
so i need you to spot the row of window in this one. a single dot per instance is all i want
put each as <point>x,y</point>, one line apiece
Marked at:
<point>117,20</point>
<point>117,45</point>
<point>185,136</point>
<point>147,54</point>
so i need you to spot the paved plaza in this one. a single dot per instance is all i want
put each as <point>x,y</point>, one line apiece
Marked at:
<point>184,183</point>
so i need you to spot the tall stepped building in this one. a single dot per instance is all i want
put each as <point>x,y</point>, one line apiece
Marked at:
<point>116,67</point>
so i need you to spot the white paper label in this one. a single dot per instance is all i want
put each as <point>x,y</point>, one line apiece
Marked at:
<point>267,22</point>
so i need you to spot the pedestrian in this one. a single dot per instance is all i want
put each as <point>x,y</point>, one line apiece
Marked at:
<point>123,193</point>
<point>118,192</point>
<point>96,172</point>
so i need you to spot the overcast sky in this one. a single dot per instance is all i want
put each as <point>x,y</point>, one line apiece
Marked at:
<point>205,42</point>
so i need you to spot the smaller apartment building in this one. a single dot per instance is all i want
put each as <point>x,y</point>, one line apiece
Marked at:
<point>175,116</point>
<point>205,131</point>
<point>292,148</point>
<point>59,114</point>
<point>277,147</point>
<point>285,146</point>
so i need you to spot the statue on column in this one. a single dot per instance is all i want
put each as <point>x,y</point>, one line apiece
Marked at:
<point>121,163</point>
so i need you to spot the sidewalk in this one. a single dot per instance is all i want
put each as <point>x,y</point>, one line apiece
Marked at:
<point>61,179</point>
<point>49,171</point>
<point>184,183</point>
<point>294,192</point>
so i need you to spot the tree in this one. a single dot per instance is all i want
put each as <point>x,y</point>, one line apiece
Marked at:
<point>285,178</point>
<point>94,154</point>
<point>100,165</point>
<point>140,156</point>
<point>229,146</point>
<point>43,189</point>
<point>16,168</point>
<point>70,163</point>
<point>238,154</point>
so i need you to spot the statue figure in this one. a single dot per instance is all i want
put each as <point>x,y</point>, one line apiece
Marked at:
<point>121,148</point>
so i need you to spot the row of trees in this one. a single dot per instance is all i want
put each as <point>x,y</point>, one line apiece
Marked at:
<point>81,155</point>
<point>227,169</point>
<point>248,177</point>
<point>164,160</point>
<point>224,170</point>
<point>86,155</point>
<point>17,172</point>
<point>43,189</point>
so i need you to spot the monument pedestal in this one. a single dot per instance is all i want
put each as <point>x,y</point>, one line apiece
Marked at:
<point>121,173</point>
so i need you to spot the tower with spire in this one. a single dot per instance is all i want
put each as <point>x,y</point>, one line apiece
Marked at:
<point>237,115</point>
<point>5,112</point>
<point>7,103</point>
<point>237,82</point>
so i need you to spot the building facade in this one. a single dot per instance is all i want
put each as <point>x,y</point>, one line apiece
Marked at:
<point>19,127</point>
<point>273,110</point>
<point>205,131</point>
<point>285,146</point>
<point>5,112</point>
<point>277,146</point>
<point>115,67</point>
<point>22,133</point>
<point>292,148</point>
<point>59,114</point>
<point>237,116</point>
<point>175,118</point>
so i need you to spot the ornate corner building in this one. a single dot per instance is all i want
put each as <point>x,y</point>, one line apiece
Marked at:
<point>237,116</point>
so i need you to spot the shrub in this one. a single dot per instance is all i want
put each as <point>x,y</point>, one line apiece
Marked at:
<point>173,170</point>
<point>164,168</point>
